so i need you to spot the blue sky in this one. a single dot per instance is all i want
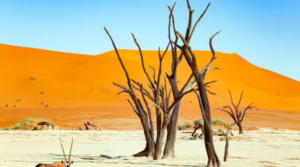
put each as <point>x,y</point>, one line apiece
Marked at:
<point>265,32</point>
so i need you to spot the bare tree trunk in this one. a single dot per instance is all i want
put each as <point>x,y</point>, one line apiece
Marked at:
<point>213,160</point>
<point>239,124</point>
<point>160,139</point>
<point>227,141</point>
<point>150,145</point>
<point>190,56</point>
<point>144,153</point>
<point>169,151</point>
<point>226,149</point>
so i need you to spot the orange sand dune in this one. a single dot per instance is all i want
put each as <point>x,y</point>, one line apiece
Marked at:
<point>74,88</point>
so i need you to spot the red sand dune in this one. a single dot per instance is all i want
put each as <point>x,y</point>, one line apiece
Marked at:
<point>78,88</point>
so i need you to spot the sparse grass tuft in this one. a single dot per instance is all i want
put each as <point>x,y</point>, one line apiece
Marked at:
<point>27,124</point>
<point>219,122</point>
<point>28,119</point>
<point>214,122</point>
<point>185,126</point>
<point>199,121</point>
<point>17,126</point>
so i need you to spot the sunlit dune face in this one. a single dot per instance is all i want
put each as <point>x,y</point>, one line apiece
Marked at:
<point>70,89</point>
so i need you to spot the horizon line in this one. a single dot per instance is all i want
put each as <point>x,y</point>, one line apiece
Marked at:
<point>102,52</point>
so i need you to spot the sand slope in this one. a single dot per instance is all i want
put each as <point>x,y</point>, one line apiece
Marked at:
<point>79,87</point>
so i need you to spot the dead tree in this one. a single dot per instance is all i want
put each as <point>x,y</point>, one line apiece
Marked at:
<point>169,151</point>
<point>199,76</point>
<point>166,107</point>
<point>237,115</point>
<point>227,141</point>
<point>160,97</point>
<point>136,106</point>
<point>161,101</point>
<point>167,110</point>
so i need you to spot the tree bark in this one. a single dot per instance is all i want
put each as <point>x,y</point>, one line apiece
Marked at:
<point>226,148</point>
<point>227,141</point>
<point>144,153</point>
<point>169,151</point>
<point>159,143</point>
<point>239,124</point>
<point>213,160</point>
<point>149,149</point>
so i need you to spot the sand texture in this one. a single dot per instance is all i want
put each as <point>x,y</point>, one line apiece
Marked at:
<point>70,89</point>
<point>263,148</point>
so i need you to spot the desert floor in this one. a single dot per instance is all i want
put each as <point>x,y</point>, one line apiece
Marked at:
<point>265,147</point>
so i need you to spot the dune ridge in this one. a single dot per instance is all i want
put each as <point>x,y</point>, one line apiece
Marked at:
<point>34,82</point>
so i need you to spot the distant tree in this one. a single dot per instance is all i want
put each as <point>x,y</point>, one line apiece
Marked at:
<point>236,114</point>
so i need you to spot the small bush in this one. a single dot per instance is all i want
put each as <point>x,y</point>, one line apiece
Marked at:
<point>28,120</point>
<point>17,126</point>
<point>219,122</point>
<point>185,126</point>
<point>198,121</point>
<point>26,124</point>
<point>180,127</point>
<point>188,124</point>
<point>214,122</point>
<point>7,128</point>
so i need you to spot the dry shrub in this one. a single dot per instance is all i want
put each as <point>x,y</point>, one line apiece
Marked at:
<point>214,122</point>
<point>27,124</point>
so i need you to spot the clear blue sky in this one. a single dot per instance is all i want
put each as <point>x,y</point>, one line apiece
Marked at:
<point>265,32</point>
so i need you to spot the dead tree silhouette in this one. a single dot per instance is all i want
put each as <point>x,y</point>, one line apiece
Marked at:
<point>199,76</point>
<point>153,148</point>
<point>237,115</point>
<point>160,96</point>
